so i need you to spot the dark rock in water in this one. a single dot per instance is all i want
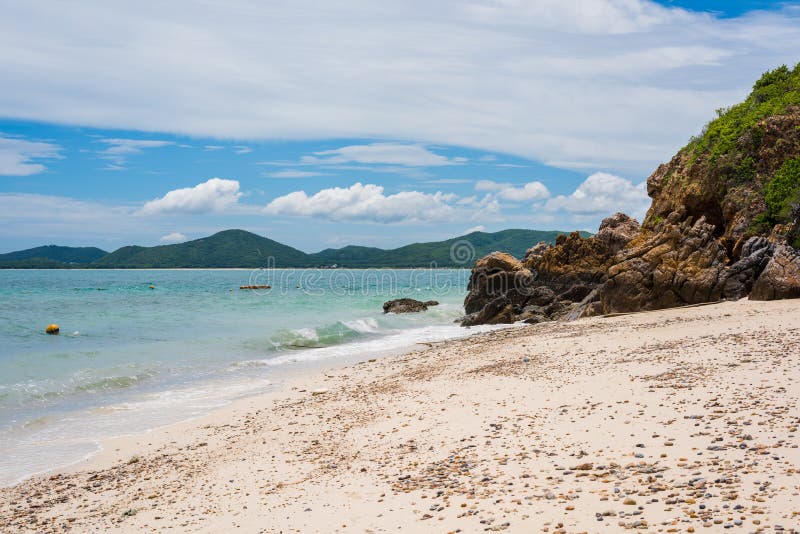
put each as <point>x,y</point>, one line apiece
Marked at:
<point>407,306</point>
<point>723,224</point>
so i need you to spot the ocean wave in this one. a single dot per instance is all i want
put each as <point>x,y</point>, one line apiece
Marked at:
<point>80,383</point>
<point>387,342</point>
<point>323,336</point>
<point>111,382</point>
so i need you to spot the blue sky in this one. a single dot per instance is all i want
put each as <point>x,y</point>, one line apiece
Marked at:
<point>373,123</point>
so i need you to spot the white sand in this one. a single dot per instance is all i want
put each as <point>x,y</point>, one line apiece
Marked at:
<point>675,421</point>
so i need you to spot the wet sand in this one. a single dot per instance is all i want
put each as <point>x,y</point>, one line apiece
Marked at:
<point>680,420</point>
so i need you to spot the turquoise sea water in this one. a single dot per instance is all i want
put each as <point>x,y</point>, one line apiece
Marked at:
<point>131,358</point>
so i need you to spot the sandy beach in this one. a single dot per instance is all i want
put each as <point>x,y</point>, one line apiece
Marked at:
<point>683,420</point>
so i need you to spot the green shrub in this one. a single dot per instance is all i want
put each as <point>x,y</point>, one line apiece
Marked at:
<point>771,95</point>
<point>783,190</point>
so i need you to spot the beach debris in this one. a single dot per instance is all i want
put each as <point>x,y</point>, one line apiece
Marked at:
<point>52,329</point>
<point>319,391</point>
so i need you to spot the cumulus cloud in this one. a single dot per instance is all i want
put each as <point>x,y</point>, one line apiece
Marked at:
<point>527,192</point>
<point>603,194</point>
<point>510,76</point>
<point>479,228</point>
<point>366,202</point>
<point>18,156</point>
<point>174,237</point>
<point>382,154</point>
<point>214,195</point>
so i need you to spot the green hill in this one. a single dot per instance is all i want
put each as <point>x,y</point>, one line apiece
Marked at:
<point>458,251</point>
<point>51,256</point>
<point>238,248</point>
<point>229,248</point>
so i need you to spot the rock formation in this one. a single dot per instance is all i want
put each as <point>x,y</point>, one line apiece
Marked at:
<point>723,224</point>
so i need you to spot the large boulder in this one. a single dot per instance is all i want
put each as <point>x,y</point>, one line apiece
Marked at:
<point>616,231</point>
<point>551,281</point>
<point>679,264</point>
<point>781,277</point>
<point>497,287</point>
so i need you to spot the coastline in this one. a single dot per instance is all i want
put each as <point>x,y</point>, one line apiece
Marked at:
<point>287,368</point>
<point>609,422</point>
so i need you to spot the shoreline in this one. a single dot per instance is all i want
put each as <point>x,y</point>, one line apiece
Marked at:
<point>674,419</point>
<point>283,369</point>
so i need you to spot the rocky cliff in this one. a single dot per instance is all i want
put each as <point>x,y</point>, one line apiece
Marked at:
<point>724,224</point>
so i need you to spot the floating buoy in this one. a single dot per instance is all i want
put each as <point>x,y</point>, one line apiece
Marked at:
<point>52,329</point>
<point>152,287</point>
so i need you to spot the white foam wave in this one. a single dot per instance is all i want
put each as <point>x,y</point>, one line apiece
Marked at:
<point>363,326</point>
<point>390,343</point>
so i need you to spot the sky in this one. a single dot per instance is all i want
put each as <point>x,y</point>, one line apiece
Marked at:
<point>364,122</point>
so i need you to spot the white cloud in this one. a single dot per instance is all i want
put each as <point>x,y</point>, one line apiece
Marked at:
<point>603,194</point>
<point>293,173</point>
<point>119,149</point>
<point>530,191</point>
<point>174,237</point>
<point>18,156</point>
<point>479,228</point>
<point>214,195</point>
<point>382,154</point>
<point>366,202</point>
<point>585,84</point>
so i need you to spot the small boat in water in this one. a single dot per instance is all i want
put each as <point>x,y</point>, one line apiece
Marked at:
<point>255,287</point>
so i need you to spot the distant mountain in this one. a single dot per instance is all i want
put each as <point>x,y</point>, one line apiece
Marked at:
<point>229,248</point>
<point>51,256</point>
<point>238,248</point>
<point>458,251</point>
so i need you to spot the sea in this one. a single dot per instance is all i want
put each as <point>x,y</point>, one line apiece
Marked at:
<point>139,349</point>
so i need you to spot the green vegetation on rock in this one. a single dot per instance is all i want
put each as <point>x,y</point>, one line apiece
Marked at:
<point>772,94</point>
<point>783,191</point>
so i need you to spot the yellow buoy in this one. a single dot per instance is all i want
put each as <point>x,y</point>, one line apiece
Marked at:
<point>52,329</point>
<point>152,287</point>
